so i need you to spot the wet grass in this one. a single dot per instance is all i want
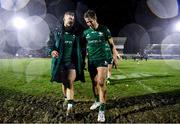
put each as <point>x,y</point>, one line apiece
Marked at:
<point>138,92</point>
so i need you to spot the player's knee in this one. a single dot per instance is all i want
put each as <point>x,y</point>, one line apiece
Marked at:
<point>101,82</point>
<point>69,84</point>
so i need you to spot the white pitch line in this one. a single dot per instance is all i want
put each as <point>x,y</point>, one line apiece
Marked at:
<point>147,87</point>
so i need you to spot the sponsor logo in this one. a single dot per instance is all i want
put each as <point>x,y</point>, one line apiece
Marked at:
<point>95,41</point>
<point>68,42</point>
<point>105,63</point>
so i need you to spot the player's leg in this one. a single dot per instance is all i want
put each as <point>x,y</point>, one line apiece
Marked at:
<point>109,72</point>
<point>93,72</point>
<point>63,75</point>
<point>70,89</point>
<point>65,96</point>
<point>101,79</point>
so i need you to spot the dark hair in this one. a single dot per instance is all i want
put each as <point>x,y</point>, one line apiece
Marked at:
<point>72,13</point>
<point>90,14</point>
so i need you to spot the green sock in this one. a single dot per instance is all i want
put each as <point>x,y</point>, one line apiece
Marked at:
<point>71,102</point>
<point>65,98</point>
<point>97,98</point>
<point>108,79</point>
<point>102,107</point>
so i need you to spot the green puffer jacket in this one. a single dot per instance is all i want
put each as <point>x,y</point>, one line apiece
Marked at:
<point>56,43</point>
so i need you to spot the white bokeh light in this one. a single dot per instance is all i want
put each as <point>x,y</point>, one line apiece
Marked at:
<point>170,46</point>
<point>37,8</point>
<point>177,26</point>
<point>5,17</point>
<point>163,8</point>
<point>137,36</point>
<point>36,35</point>
<point>15,21</point>
<point>19,22</point>
<point>11,39</point>
<point>13,5</point>
<point>51,20</point>
<point>157,34</point>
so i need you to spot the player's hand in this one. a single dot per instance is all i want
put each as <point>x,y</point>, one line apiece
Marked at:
<point>118,56</point>
<point>54,54</point>
<point>115,60</point>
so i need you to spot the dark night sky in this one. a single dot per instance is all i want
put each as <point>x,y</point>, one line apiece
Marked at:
<point>142,22</point>
<point>114,14</point>
<point>133,19</point>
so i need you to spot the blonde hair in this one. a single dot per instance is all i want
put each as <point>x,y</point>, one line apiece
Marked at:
<point>90,14</point>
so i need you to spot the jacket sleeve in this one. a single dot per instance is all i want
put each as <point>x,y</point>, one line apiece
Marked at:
<point>83,44</point>
<point>78,61</point>
<point>51,43</point>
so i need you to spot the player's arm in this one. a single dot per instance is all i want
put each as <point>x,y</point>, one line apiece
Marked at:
<point>112,45</point>
<point>114,51</point>
<point>52,49</point>
<point>84,48</point>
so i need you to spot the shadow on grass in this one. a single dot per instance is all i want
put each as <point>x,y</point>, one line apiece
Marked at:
<point>161,107</point>
<point>148,101</point>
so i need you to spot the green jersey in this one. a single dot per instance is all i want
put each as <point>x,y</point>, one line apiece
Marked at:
<point>97,43</point>
<point>68,47</point>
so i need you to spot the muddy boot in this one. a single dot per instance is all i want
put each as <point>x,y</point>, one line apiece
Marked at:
<point>65,104</point>
<point>101,116</point>
<point>95,105</point>
<point>70,108</point>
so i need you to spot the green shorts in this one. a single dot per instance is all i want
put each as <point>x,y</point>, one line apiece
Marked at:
<point>97,63</point>
<point>93,65</point>
<point>110,61</point>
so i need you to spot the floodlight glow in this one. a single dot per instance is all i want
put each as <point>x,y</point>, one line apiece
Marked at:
<point>177,26</point>
<point>163,8</point>
<point>19,23</point>
<point>13,5</point>
<point>36,35</point>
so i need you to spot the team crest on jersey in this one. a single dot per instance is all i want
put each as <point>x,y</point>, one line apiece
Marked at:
<point>87,36</point>
<point>100,33</point>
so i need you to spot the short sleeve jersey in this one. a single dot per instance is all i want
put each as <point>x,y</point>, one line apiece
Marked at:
<point>97,43</point>
<point>108,48</point>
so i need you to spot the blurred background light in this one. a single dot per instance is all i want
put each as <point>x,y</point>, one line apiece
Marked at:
<point>177,26</point>
<point>13,5</point>
<point>19,22</point>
